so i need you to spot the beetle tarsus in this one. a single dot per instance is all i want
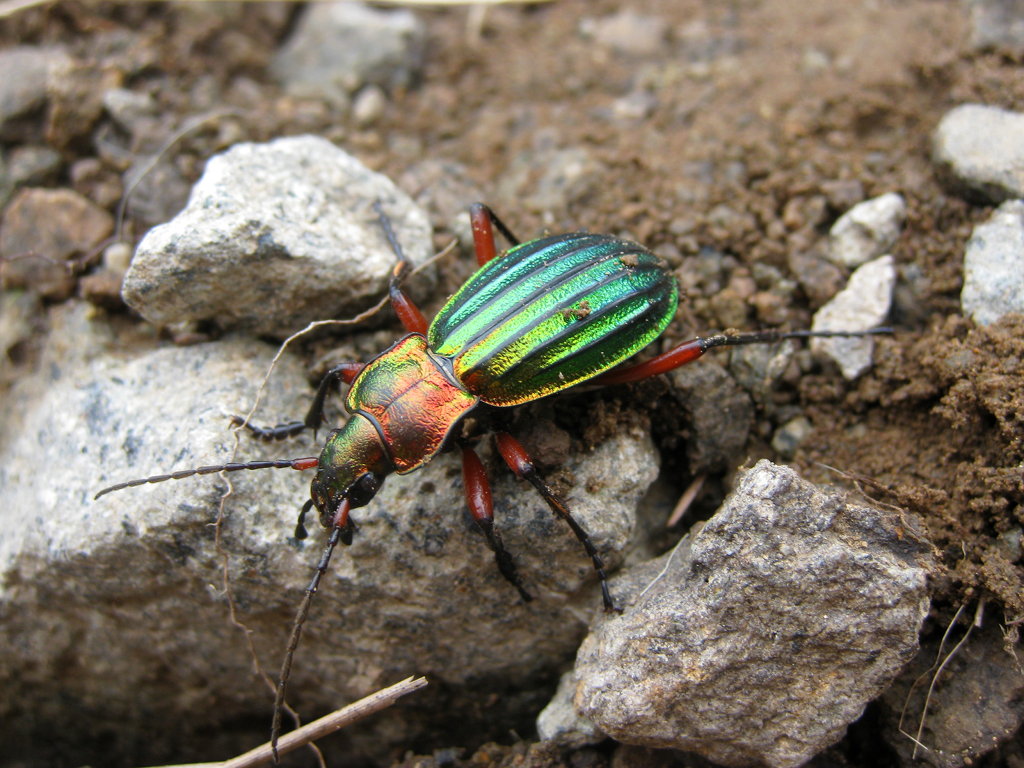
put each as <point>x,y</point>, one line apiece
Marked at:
<point>478,500</point>
<point>519,462</point>
<point>270,434</point>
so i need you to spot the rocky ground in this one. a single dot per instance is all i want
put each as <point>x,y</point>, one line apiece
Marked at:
<point>841,165</point>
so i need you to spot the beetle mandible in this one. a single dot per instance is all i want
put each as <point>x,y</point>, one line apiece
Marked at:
<point>539,318</point>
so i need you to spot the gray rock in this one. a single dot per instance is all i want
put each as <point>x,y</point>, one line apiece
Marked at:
<point>716,414</point>
<point>157,190</point>
<point>976,704</point>
<point>635,106</point>
<point>819,277</point>
<point>32,165</point>
<point>274,236</point>
<point>128,108</point>
<point>867,230</point>
<point>337,48</point>
<point>24,86</point>
<point>758,368</point>
<point>842,194</point>
<point>863,304</point>
<point>369,105</point>
<point>998,25</point>
<point>761,637</point>
<point>980,151</point>
<point>790,435</point>
<point>559,721</point>
<point>127,591</point>
<point>994,266</point>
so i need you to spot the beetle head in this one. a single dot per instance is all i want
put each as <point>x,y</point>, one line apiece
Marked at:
<point>352,465</point>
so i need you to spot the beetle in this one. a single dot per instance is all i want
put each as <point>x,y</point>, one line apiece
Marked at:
<point>541,317</point>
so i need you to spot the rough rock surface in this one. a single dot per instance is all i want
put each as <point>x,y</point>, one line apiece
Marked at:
<point>414,591</point>
<point>275,236</point>
<point>560,722</point>
<point>975,704</point>
<point>759,639</point>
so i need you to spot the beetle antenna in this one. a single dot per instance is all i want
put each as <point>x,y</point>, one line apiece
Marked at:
<point>342,531</point>
<point>309,462</point>
<point>762,337</point>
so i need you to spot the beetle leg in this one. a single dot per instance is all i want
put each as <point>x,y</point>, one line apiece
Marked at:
<point>483,221</point>
<point>346,372</point>
<point>521,464</point>
<point>410,315</point>
<point>689,351</point>
<point>478,499</point>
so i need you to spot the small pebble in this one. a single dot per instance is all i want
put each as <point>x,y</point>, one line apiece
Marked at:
<point>862,305</point>
<point>627,32</point>
<point>994,266</point>
<point>790,435</point>
<point>339,48</point>
<point>369,105</point>
<point>980,151</point>
<point>867,230</point>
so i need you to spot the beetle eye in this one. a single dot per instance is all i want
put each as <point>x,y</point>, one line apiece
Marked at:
<point>363,489</point>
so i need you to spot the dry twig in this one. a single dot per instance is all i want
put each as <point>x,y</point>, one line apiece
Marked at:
<point>325,726</point>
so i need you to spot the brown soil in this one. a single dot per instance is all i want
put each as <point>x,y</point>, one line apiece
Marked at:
<point>759,108</point>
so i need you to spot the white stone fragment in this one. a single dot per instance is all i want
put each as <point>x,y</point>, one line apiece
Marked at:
<point>994,266</point>
<point>981,150</point>
<point>867,230</point>
<point>862,305</point>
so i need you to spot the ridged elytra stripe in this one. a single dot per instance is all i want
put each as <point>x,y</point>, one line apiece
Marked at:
<point>551,313</point>
<point>485,349</point>
<point>494,328</point>
<point>563,347</point>
<point>522,275</point>
<point>558,363</point>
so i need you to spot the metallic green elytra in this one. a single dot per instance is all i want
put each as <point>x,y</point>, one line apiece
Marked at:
<point>552,313</point>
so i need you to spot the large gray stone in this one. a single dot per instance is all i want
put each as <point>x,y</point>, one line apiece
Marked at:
<point>760,638</point>
<point>127,591</point>
<point>275,236</point>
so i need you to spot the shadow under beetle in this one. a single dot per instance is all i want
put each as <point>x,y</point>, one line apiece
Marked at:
<point>542,317</point>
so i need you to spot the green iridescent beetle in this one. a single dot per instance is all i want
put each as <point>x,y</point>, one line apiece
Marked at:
<point>544,316</point>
